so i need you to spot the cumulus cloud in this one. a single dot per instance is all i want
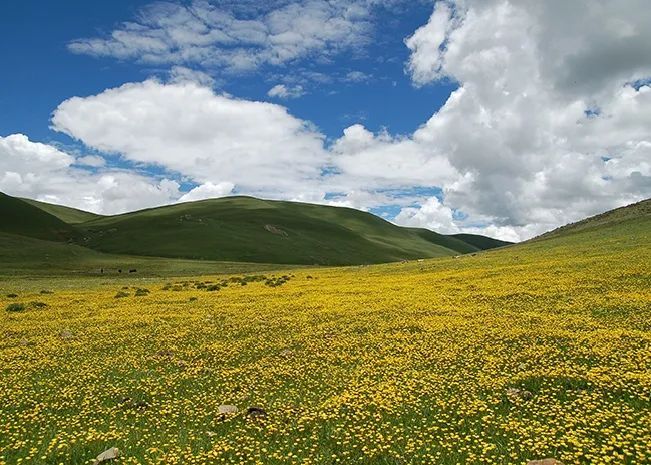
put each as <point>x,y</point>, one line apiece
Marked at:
<point>521,130</point>
<point>43,172</point>
<point>550,122</point>
<point>283,91</point>
<point>94,161</point>
<point>431,214</point>
<point>189,129</point>
<point>212,35</point>
<point>208,190</point>
<point>374,161</point>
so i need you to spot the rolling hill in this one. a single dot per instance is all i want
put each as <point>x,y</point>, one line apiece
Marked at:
<point>630,213</point>
<point>24,219</point>
<point>66,214</point>
<point>236,229</point>
<point>254,230</point>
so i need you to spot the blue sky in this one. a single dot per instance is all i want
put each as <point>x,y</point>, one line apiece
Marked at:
<point>500,117</point>
<point>42,72</point>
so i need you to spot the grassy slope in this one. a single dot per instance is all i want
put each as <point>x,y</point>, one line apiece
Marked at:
<point>481,242</point>
<point>66,214</point>
<point>20,217</point>
<point>636,211</point>
<point>26,256</point>
<point>237,229</point>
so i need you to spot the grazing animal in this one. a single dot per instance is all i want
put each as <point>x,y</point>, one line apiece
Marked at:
<point>132,270</point>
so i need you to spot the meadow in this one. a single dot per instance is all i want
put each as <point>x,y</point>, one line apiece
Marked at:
<point>500,357</point>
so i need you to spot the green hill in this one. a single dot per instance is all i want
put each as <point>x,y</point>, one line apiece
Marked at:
<point>628,214</point>
<point>254,230</point>
<point>234,229</point>
<point>24,219</point>
<point>27,256</point>
<point>481,242</point>
<point>66,214</point>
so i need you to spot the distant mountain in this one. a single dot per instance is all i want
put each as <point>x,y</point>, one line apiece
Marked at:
<point>238,229</point>
<point>481,242</point>
<point>254,230</point>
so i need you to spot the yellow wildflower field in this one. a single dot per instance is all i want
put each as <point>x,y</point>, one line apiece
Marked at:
<point>541,350</point>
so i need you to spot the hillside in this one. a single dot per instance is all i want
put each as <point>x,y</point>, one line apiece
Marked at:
<point>24,219</point>
<point>481,242</point>
<point>66,214</point>
<point>254,230</point>
<point>27,256</point>
<point>629,213</point>
<point>235,229</point>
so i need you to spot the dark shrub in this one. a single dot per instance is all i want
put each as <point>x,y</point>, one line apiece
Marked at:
<point>121,294</point>
<point>15,307</point>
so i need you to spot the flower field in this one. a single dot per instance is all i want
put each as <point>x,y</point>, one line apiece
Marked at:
<point>541,350</point>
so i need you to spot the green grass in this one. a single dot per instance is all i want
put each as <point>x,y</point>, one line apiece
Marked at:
<point>22,218</point>
<point>66,214</point>
<point>253,230</point>
<point>480,242</point>
<point>29,257</point>
<point>237,229</point>
<point>390,364</point>
<point>636,211</point>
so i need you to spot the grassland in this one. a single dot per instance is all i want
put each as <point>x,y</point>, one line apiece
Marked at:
<point>26,258</point>
<point>232,229</point>
<point>537,350</point>
<point>254,230</point>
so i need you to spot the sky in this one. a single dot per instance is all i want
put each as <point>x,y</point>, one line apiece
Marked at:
<point>499,117</point>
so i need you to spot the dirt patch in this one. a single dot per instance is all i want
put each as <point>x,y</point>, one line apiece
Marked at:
<point>274,230</point>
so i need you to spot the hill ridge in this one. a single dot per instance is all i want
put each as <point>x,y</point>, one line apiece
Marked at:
<point>249,229</point>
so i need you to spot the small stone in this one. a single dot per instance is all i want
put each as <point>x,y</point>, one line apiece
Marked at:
<point>545,462</point>
<point>256,412</point>
<point>227,409</point>
<point>108,454</point>
<point>515,394</point>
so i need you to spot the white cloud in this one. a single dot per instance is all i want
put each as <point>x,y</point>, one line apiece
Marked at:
<point>283,91</point>
<point>512,148</point>
<point>356,76</point>
<point>42,172</point>
<point>211,35</point>
<point>369,161</point>
<point>93,161</point>
<point>19,155</point>
<point>432,214</point>
<point>516,131</point>
<point>208,191</point>
<point>427,44</point>
<point>189,129</point>
<point>181,74</point>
